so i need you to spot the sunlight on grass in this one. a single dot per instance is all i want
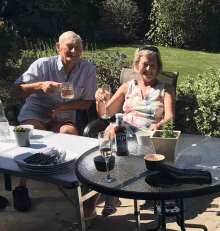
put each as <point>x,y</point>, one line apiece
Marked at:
<point>187,63</point>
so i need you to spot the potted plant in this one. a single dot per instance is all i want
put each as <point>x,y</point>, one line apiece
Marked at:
<point>22,136</point>
<point>165,141</point>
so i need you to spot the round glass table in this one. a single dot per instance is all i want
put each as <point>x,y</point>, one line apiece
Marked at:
<point>194,151</point>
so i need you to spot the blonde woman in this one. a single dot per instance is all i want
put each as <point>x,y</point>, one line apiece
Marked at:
<point>147,103</point>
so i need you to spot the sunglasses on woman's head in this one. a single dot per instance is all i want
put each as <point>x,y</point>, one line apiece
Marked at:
<point>150,48</point>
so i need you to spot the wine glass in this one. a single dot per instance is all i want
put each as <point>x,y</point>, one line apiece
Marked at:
<point>105,145</point>
<point>107,89</point>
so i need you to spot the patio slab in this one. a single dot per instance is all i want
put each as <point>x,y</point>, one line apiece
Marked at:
<point>52,211</point>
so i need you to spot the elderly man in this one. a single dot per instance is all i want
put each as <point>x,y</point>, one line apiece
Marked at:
<point>44,108</point>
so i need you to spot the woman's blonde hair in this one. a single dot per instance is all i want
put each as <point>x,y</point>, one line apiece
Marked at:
<point>144,51</point>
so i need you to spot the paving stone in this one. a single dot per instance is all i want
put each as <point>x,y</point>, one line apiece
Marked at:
<point>52,211</point>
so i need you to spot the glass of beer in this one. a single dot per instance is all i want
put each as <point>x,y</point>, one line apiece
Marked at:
<point>105,145</point>
<point>67,91</point>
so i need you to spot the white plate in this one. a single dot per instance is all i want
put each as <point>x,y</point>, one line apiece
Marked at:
<point>32,166</point>
<point>48,171</point>
<point>70,157</point>
<point>46,168</point>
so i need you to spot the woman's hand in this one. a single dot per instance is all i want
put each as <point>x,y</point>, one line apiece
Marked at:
<point>100,95</point>
<point>156,127</point>
<point>111,129</point>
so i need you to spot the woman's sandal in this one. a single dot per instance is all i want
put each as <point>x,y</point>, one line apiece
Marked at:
<point>108,210</point>
<point>88,221</point>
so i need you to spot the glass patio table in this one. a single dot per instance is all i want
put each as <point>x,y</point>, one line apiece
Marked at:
<point>194,151</point>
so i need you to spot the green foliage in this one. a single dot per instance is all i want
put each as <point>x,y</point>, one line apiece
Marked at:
<point>198,105</point>
<point>7,36</point>
<point>190,24</point>
<point>20,129</point>
<point>51,18</point>
<point>120,20</point>
<point>39,49</point>
<point>108,68</point>
<point>168,129</point>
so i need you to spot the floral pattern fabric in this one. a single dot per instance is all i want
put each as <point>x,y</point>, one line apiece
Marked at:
<point>143,112</point>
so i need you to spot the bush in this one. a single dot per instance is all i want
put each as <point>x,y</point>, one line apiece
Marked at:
<point>185,24</point>
<point>198,105</point>
<point>7,36</point>
<point>119,21</point>
<point>51,18</point>
<point>108,68</point>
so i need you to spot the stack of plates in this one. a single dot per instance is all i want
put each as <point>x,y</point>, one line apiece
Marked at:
<point>67,164</point>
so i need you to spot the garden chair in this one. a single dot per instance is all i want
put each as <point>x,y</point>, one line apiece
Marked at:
<point>127,74</point>
<point>81,115</point>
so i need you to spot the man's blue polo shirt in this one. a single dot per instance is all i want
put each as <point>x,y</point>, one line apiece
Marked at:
<point>51,69</point>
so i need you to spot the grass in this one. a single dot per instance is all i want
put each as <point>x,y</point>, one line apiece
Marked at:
<point>187,63</point>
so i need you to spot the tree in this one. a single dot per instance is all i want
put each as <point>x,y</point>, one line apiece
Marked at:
<point>190,24</point>
<point>119,22</point>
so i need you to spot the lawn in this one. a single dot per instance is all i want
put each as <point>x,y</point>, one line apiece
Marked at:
<point>187,63</point>
<point>183,61</point>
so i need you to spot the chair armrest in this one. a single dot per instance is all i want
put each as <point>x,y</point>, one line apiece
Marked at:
<point>88,129</point>
<point>81,120</point>
<point>15,111</point>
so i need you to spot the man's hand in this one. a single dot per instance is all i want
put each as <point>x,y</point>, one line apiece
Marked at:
<point>51,112</point>
<point>50,87</point>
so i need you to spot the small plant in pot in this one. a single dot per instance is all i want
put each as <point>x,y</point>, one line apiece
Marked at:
<point>22,136</point>
<point>165,141</point>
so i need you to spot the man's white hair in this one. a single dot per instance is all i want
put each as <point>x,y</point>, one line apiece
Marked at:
<point>70,35</point>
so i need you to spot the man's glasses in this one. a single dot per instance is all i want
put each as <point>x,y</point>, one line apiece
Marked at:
<point>150,48</point>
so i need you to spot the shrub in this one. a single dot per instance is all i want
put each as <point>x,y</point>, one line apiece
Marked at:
<point>185,24</point>
<point>119,21</point>
<point>108,68</point>
<point>168,129</point>
<point>198,105</point>
<point>7,36</point>
<point>39,49</point>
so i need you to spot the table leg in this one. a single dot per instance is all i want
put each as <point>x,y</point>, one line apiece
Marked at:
<point>80,211</point>
<point>137,215</point>
<point>181,219</point>
<point>163,214</point>
<point>7,182</point>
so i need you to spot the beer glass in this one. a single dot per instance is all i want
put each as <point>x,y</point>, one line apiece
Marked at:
<point>107,89</point>
<point>67,91</point>
<point>105,146</point>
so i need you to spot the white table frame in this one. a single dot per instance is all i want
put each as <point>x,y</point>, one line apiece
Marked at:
<point>42,139</point>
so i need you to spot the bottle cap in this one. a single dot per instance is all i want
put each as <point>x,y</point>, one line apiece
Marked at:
<point>119,116</point>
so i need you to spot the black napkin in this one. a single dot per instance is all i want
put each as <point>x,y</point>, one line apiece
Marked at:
<point>3,202</point>
<point>170,176</point>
